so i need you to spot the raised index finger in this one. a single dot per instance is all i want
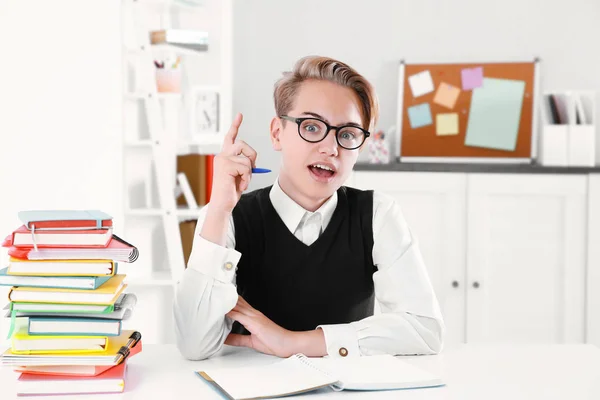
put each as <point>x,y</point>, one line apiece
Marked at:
<point>233,131</point>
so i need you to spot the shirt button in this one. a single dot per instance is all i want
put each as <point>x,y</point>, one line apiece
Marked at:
<point>343,351</point>
<point>228,266</point>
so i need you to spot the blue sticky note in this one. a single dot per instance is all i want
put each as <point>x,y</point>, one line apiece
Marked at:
<point>420,115</point>
<point>495,114</point>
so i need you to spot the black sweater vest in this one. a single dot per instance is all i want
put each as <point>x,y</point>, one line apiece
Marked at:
<point>297,286</point>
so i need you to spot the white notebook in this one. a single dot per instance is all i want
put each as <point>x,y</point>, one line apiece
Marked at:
<point>299,374</point>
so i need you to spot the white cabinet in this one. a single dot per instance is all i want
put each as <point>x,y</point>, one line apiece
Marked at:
<point>526,258</point>
<point>506,253</point>
<point>593,254</point>
<point>434,207</point>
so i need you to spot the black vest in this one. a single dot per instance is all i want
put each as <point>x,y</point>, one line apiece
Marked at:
<point>297,286</point>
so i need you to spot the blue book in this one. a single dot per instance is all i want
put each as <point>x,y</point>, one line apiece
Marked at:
<point>72,326</point>
<point>59,282</point>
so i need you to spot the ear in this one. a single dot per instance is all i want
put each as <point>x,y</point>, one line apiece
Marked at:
<point>276,131</point>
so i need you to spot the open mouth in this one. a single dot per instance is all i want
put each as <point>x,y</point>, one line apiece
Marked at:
<point>322,172</point>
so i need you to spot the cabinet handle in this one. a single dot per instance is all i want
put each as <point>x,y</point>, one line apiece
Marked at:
<point>454,284</point>
<point>476,285</point>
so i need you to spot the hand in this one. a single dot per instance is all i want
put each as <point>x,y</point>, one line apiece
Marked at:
<point>265,335</point>
<point>232,170</point>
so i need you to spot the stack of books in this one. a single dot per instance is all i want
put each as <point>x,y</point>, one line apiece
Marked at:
<point>68,303</point>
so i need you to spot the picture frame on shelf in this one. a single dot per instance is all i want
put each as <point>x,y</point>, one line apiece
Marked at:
<point>204,111</point>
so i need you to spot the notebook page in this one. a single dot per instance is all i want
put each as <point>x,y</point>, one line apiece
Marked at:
<point>290,375</point>
<point>376,373</point>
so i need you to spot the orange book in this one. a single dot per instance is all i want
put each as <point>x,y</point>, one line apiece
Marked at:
<point>73,370</point>
<point>110,381</point>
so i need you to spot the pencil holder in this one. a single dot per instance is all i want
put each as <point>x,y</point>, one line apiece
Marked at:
<point>168,80</point>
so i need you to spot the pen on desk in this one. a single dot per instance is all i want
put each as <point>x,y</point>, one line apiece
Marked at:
<point>260,170</point>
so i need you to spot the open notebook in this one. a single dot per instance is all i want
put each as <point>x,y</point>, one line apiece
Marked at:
<point>299,374</point>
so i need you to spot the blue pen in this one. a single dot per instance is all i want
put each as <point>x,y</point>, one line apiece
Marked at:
<point>260,170</point>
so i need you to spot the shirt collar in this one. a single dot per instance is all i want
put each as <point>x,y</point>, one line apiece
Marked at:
<point>291,213</point>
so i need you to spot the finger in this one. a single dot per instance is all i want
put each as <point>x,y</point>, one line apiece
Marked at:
<point>243,319</point>
<point>231,135</point>
<point>235,339</point>
<point>245,309</point>
<point>242,148</point>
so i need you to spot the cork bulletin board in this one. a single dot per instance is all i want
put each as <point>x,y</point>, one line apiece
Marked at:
<point>467,112</point>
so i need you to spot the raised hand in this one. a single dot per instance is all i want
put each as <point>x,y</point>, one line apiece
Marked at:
<point>232,169</point>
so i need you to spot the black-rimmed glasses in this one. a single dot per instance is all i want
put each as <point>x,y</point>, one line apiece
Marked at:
<point>314,130</point>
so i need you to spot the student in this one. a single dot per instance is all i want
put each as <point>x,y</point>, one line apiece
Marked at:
<point>299,265</point>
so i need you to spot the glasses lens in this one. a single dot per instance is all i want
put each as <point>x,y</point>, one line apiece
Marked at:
<point>350,137</point>
<point>312,130</point>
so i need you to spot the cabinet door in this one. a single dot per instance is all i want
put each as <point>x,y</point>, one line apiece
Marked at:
<point>593,262</point>
<point>526,256</point>
<point>434,207</point>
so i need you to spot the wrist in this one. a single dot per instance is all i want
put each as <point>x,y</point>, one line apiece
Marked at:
<point>310,343</point>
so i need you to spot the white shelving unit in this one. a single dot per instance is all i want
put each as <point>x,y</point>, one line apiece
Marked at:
<point>155,133</point>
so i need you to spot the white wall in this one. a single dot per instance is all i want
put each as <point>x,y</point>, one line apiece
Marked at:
<point>372,36</point>
<point>60,108</point>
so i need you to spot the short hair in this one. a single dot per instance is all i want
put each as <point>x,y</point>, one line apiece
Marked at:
<point>326,69</point>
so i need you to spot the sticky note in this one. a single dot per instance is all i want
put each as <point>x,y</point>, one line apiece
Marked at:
<point>421,83</point>
<point>472,78</point>
<point>446,95</point>
<point>446,124</point>
<point>495,114</point>
<point>419,115</point>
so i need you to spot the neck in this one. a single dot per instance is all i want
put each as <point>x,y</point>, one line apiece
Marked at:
<point>308,203</point>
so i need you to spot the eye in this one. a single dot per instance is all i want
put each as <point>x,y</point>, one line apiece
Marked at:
<point>311,128</point>
<point>347,135</point>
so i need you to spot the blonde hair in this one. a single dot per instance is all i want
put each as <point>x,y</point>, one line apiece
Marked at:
<point>326,69</point>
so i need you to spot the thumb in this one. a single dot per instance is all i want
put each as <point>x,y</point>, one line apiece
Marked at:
<point>235,339</point>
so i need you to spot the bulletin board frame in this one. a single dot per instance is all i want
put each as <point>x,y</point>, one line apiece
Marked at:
<point>526,149</point>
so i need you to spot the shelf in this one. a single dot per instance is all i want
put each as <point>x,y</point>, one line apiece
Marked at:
<point>139,143</point>
<point>214,139</point>
<point>157,49</point>
<point>158,212</point>
<point>144,212</point>
<point>161,96</point>
<point>162,278</point>
<point>176,4</point>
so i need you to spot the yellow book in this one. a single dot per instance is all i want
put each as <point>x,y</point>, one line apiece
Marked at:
<point>111,356</point>
<point>17,266</point>
<point>22,343</point>
<point>104,295</point>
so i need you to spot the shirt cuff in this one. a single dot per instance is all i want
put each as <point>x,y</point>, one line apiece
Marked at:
<point>341,340</point>
<point>213,260</point>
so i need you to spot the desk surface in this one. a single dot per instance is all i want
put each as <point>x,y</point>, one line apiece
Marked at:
<point>470,372</point>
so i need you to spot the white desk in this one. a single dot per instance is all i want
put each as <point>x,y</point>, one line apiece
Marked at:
<point>471,372</point>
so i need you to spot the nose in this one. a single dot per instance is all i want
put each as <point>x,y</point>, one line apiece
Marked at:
<point>329,145</point>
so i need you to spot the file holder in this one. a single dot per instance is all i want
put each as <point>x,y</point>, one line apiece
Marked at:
<point>573,141</point>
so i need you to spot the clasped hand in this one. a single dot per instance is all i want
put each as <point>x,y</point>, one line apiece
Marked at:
<point>265,335</point>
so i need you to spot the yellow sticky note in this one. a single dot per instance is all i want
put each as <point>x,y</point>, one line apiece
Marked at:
<point>446,95</point>
<point>446,124</point>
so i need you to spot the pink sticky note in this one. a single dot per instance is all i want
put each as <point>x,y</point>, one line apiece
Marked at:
<point>472,78</point>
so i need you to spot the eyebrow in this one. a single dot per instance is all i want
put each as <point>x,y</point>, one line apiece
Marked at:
<point>313,114</point>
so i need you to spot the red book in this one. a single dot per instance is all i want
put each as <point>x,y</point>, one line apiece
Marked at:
<point>65,219</point>
<point>116,250</point>
<point>23,237</point>
<point>110,381</point>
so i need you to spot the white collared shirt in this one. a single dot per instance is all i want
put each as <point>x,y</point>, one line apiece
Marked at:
<point>410,320</point>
